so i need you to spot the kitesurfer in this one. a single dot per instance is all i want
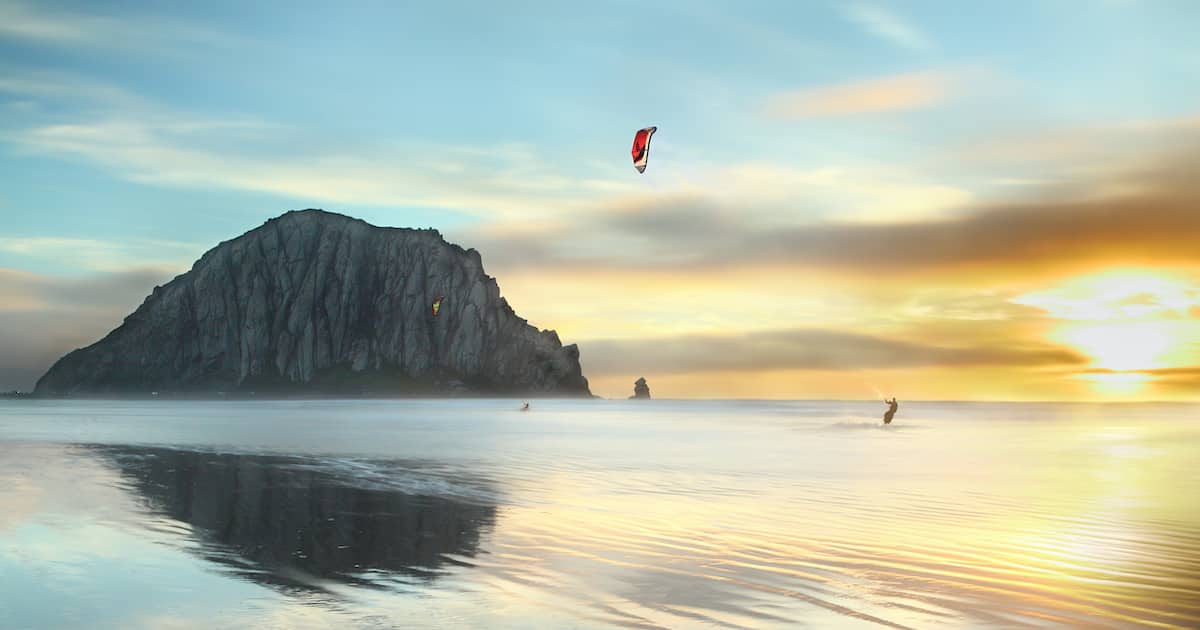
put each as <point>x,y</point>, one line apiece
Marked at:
<point>891,412</point>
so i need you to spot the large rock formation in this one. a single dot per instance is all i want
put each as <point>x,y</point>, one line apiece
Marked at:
<point>313,301</point>
<point>640,389</point>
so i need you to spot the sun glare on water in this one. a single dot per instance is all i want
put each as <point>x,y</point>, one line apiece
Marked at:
<point>1129,322</point>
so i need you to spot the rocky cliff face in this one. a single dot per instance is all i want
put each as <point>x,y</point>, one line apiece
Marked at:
<point>313,301</point>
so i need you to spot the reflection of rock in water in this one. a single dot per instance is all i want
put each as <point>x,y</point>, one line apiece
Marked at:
<point>279,521</point>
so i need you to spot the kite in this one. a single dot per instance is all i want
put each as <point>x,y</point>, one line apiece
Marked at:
<point>437,305</point>
<point>641,147</point>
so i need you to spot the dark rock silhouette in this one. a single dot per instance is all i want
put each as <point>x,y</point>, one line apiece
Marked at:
<point>290,524</point>
<point>314,302</point>
<point>640,389</point>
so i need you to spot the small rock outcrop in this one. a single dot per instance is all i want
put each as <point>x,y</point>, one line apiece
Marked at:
<point>317,302</point>
<point>640,389</point>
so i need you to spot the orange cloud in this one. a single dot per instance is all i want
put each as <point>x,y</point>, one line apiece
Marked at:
<point>1151,220</point>
<point>805,349</point>
<point>1177,379</point>
<point>893,93</point>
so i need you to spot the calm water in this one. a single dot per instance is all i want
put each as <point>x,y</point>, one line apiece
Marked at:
<point>597,514</point>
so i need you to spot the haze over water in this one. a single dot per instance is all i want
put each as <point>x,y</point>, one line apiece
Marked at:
<point>597,514</point>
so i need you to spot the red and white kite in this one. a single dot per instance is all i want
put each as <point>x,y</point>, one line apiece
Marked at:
<point>641,147</point>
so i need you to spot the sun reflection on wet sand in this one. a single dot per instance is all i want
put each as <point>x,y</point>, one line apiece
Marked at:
<point>664,516</point>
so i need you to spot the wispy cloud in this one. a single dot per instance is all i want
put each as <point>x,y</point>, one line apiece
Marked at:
<point>802,349</point>
<point>18,19</point>
<point>1083,150</point>
<point>1153,219</point>
<point>888,26</point>
<point>44,84</point>
<point>1180,379</point>
<point>894,93</point>
<point>41,24</point>
<point>104,255</point>
<point>178,150</point>
<point>143,142</point>
<point>494,182</point>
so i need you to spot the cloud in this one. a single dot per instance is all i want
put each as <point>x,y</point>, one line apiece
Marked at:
<point>1153,220</point>
<point>66,28</point>
<point>177,150</point>
<point>1186,378</point>
<point>765,192</point>
<point>888,26</point>
<point>100,255</point>
<point>893,93</point>
<point>18,19</point>
<point>146,142</point>
<point>143,142</point>
<point>1045,157</point>
<point>43,317</point>
<point>58,85</point>
<point>802,349</point>
<point>1181,378</point>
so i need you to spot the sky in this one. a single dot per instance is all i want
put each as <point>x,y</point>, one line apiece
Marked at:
<point>972,201</point>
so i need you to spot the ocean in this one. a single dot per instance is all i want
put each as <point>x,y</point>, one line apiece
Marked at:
<point>597,514</point>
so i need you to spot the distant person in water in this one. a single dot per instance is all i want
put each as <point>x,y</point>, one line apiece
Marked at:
<point>891,412</point>
<point>525,407</point>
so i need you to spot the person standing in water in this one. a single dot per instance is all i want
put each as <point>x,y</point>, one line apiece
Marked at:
<point>891,412</point>
<point>525,407</point>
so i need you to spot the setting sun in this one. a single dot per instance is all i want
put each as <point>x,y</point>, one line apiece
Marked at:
<point>1121,346</point>
<point>1129,322</point>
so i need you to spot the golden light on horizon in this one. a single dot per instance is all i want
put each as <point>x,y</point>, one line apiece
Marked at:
<point>1125,323</point>
<point>1130,322</point>
<point>1118,383</point>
